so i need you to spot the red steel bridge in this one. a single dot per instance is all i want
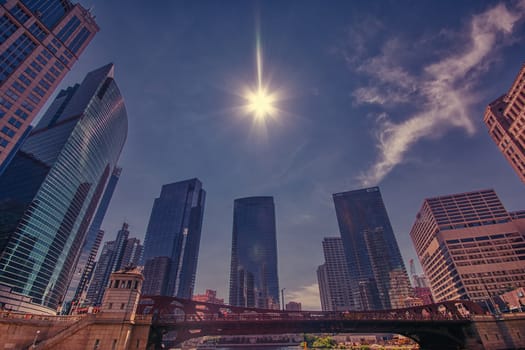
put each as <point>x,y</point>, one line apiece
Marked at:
<point>443,326</point>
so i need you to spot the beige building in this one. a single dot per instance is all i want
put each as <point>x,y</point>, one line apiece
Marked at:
<point>505,118</point>
<point>470,247</point>
<point>39,44</point>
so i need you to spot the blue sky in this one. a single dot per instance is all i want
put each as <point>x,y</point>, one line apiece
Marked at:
<point>388,93</point>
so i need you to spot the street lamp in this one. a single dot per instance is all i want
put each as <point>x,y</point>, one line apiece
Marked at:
<point>282,296</point>
<point>36,338</point>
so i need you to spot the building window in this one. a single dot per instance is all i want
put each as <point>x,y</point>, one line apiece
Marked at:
<point>37,31</point>
<point>122,306</point>
<point>49,77</point>
<point>5,103</point>
<point>36,66</point>
<point>79,40</point>
<point>110,306</point>
<point>28,106</point>
<point>7,28</point>
<point>97,343</point>
<point>11,94</point>
<point>30,72</point>
<point>24,79</point>
<point>20,113</point>
<point>15,123</point>
<point>41,59</point>
<point>33,98</point>
<point>39,91</point>
<point>68,29</point>
<point>7,131</point>
<point>19,14</point>
<point>114,346</point>
<point>14,55</point>
<point>18,87</point>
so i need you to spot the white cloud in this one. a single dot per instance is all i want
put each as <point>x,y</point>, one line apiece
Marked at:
<point>308,296</point>
<point>443,90</point>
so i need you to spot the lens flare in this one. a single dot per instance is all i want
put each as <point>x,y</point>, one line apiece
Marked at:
<point>260,103</point>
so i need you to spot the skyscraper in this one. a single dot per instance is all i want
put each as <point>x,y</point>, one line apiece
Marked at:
<point>253,273</point>
<point>333,278</point>
<point>49,192</point>
<point>40,40</point>
<point>505,118</point>
<point>173,236</point>
<point>116,255</point>
<point>88,253</point>
<point>470,247</point>
<point>371,250</point>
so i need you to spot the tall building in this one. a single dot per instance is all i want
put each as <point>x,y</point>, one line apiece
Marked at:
<point>173,236</point>
<point>505,118</point>
<point>40,40</point>
<point>470,247</point>
<point>98,283</point>
<point>116,255</point>
<point>334,279</point>
<point>324,292</point>
<point>374,260</point>
<point>253,275</point>
<point>50,190</point>
<point>88,253</point>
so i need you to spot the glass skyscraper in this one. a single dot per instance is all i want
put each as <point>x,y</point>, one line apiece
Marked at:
<point>52,187</point>
<point>40,40</point>
<point>171,245</point>
<point>374,260</point>
<point>89,251</point>
<point>253,275</point>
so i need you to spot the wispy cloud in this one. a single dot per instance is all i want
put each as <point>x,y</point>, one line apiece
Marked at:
<point>443,90</point>
<point>308,296</point>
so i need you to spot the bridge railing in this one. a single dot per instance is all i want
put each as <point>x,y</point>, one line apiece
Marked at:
<point>301,316</point>
<point>23,316</point>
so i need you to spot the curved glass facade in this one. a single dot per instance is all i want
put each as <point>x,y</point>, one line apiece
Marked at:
<point>253,274</point>
<point>73,150</point>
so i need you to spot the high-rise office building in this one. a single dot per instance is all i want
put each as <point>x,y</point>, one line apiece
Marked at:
<point>50,190</point>
<point>116,255</point>
<point>334,279</point>
<point>40,40</point>
<point>173,236</point>
<point>324,292</point>
<point>505,118</point>
<point>88,253</point>
<point>470,247</point>
<point>253,274</point>
<point>373,256</point>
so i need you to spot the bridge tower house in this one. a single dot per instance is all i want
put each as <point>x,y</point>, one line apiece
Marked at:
<point>121,297</point>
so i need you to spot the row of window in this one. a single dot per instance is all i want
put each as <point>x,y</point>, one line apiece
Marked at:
<point>15,54</point>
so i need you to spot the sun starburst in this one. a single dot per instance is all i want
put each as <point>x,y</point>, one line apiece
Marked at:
<point>260,103</point>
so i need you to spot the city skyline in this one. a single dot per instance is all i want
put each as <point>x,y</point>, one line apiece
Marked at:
<point>327,137</point>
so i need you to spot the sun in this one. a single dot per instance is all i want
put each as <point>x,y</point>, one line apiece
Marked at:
<point>260,103</point>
